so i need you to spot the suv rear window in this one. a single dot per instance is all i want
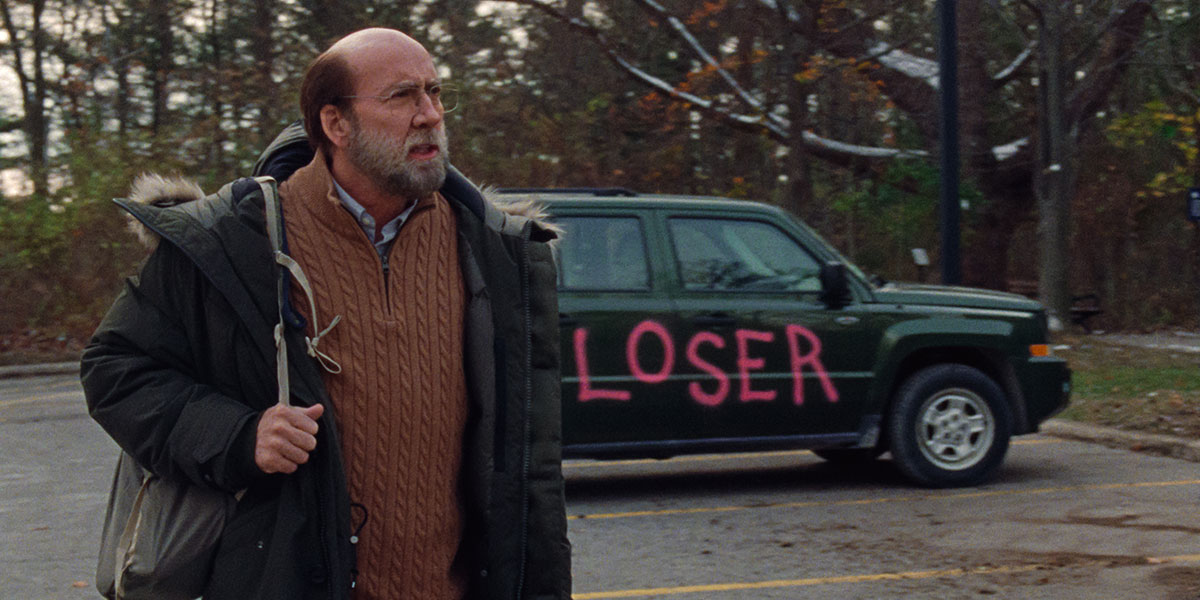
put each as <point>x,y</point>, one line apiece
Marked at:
<point>602,254</point>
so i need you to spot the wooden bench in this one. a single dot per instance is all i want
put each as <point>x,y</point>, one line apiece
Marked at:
<point>1082,308</point>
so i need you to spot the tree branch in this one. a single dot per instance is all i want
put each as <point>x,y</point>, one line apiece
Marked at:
<point>911,94</point>
<point>1008,73</point>
<point>775,127</point>
<point>683,34</point>
<point>1109,64</point>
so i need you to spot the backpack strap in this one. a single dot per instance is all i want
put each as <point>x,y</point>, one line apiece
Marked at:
<point>275,233</point>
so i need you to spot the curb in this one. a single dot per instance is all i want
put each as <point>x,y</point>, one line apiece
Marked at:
<point>1150,443</point>
<point>62,368</point>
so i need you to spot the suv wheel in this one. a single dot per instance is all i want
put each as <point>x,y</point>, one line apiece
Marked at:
<point>949,426</point>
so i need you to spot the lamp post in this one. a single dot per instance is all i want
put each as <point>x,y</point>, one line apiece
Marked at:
<point>948,126</point>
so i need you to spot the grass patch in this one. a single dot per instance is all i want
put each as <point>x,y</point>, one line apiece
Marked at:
<point>1134,388</point>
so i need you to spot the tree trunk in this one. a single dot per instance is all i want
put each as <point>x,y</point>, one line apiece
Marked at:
<point>332,19</point>
<point>216,91</point>
<point>798,198</point>
<point>264,60</point>
<point>1053,177</point>
<point>1193,79</point>
<point>38,128</point>
<point>33,89</point>
<point>746,147</point>
<point>161,62</point>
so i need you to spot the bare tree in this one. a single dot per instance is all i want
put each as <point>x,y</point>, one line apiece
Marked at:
<point>1000,132</point>
<point>27,49</point>
<point>1054,176</point>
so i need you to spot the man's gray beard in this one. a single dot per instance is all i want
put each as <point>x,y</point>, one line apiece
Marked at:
<point>385,160</point>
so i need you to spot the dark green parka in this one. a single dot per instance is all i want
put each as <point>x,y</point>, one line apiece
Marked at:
<point>183,364</point>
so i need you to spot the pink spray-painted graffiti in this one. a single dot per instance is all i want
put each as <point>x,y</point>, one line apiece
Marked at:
<point>747,363</point>
<point>804,352</point>
<point>693,354</point>
<point>586,391</point>
<point>631,356</point>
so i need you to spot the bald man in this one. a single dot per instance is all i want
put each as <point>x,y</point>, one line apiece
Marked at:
<point>420,454</point>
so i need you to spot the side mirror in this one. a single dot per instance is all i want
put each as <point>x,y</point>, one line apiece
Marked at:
<point>835,288</point>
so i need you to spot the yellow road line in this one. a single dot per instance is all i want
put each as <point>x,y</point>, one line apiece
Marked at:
<point>42,397</point>
<point>1036,442</point>
<point>865,578</point>
<point>591,464</point>
<point>894,499</point>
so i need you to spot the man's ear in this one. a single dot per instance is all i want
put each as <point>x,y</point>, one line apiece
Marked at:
<point>335,124</point>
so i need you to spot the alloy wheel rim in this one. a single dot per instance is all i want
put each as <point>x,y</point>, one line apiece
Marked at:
<point>955,429</point>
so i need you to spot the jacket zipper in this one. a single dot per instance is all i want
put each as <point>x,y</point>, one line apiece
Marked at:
<point>527,433</point>
<point>324,513</point>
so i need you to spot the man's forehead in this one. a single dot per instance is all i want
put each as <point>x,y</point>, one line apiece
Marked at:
<point>391,67</point>
<point>392,78</point>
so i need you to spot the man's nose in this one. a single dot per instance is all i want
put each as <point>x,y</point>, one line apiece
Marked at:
<point>429,112</point>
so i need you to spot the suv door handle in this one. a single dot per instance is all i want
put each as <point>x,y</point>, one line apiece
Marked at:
<point>566,320</point>
<point>714,320</point>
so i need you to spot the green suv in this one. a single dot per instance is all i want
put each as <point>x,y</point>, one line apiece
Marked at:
<point>713,325</point>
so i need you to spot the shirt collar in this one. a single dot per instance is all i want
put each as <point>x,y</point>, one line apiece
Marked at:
<point>367,222</point>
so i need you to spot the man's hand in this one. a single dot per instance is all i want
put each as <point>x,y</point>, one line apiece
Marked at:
<point>286,434</point>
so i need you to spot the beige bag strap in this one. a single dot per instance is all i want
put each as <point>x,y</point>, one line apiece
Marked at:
<point>275,233</point>
<point>126,546</point>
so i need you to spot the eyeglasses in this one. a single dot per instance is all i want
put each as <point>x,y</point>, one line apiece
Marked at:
<point>408,97</point>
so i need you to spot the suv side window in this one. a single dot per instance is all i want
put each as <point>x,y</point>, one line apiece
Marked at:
<point>733,255</point>
<point>602,254</point>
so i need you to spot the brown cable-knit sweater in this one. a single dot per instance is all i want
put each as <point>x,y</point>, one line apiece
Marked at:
<point>400,399</point>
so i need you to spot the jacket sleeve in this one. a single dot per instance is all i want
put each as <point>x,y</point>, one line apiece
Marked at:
<point>145,381</point>
<point>548,566</point>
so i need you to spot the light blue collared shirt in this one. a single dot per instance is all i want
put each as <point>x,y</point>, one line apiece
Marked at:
<point>387,234</point>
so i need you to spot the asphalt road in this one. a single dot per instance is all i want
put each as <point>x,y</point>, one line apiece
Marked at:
<point>1064,520</point>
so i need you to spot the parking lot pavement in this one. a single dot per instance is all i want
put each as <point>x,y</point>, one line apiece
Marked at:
<point>56,466</point>
<point>1063,519</point>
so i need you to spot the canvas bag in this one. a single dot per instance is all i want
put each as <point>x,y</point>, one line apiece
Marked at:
<point>160,536</point>
<point>163,547</point>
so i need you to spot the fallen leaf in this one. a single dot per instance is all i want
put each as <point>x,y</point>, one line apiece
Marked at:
<point>79,584</point>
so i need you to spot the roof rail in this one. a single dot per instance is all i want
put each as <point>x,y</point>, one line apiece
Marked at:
<point>608,191</point>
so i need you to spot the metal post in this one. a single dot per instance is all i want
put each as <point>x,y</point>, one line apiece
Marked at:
<point>948,125</point>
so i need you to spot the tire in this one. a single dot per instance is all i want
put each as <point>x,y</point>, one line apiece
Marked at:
<point>949,426</point>
<point>850,456</point>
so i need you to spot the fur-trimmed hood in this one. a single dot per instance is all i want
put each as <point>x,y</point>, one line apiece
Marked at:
<point>156,190</point>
